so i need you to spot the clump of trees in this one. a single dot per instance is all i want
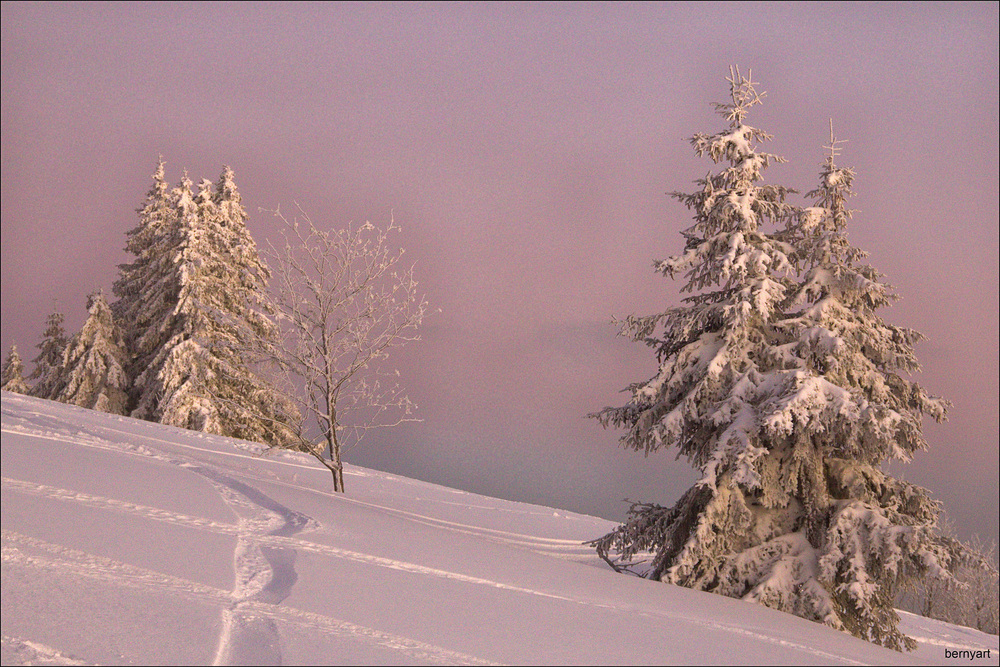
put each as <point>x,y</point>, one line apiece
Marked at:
<point>193,299</point>
<point>196,340</point>
<point>778,379</point>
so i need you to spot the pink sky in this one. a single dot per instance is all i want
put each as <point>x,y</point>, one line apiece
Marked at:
<point>526,150</point>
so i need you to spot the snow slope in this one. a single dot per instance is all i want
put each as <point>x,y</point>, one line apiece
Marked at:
<point>130,542</point>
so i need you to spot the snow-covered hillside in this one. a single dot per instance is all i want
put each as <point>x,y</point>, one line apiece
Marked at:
<point>130,542</point>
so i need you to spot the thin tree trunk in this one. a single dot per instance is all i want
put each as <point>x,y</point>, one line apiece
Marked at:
<point>336,465</point>
<point>333,446</point>
<point>338,470</point>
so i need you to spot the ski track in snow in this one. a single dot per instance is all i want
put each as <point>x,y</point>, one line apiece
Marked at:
<point>558,548</point>
<point>264,555</point>
<point>263,574</point>
<point>246,584</point>
<point>62,560</point>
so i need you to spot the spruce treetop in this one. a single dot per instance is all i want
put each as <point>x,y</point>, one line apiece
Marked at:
<point>744,95</point>
<point>153,214</point>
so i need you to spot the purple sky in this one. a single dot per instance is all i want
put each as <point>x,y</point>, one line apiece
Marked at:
<point>526,150</point>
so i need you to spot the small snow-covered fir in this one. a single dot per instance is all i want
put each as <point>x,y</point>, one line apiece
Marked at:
<point>94,362</point>
<point>12,378</point>
<point>47,371</point>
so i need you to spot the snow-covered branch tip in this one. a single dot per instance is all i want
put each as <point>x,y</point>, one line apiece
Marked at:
<point>743,94</point>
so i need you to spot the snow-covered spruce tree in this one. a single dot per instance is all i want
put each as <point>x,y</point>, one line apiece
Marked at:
<point>200,376</point>
<point>787,416</point>
<point>47,371</point>
<point>247,396</point>
<point>715,357</point>
<point>146,287</point>
<point>152,284</point>
<point>847,408</point>
<point>12,378</point>
<point>94,363</point>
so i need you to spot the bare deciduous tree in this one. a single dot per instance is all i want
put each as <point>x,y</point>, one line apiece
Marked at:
<point>342,300</point>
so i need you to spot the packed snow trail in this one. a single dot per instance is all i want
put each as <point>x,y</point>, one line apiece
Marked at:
<point>263,558</point>
<point>41,425</point>
<point>27,652</point>
<point>24,551</point>
<point>264,574</point>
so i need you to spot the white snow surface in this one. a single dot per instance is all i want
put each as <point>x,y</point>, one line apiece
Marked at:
<point>128,542</point>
